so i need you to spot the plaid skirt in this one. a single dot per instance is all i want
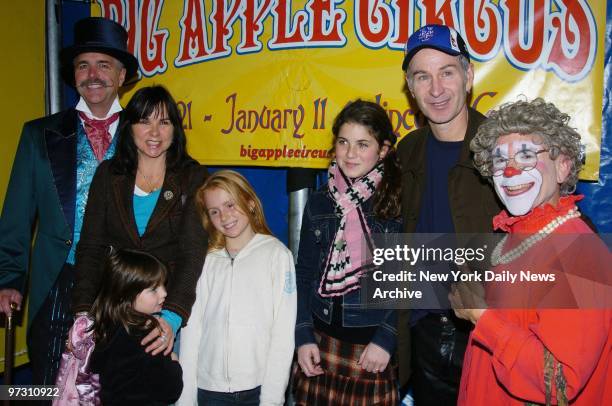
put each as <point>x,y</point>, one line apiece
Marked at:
<point>344,382</point>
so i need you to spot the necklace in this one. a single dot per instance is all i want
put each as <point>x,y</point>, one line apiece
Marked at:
<point>151,182</point>
<point>516,252</point>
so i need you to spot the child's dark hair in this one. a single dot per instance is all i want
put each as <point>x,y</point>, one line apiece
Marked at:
<point>127,273</point>
<point>370,115</point>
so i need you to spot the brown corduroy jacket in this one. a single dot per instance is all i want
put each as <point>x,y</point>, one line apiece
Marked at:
<point>174,234</point>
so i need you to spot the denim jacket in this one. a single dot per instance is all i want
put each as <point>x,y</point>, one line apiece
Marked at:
<point>319,225</point>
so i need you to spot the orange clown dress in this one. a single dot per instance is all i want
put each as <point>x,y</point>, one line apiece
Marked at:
<point>504,361</point>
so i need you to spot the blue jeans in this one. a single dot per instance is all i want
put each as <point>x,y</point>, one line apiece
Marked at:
<point>245,397</point>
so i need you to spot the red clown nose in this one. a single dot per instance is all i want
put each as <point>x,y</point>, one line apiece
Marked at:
<point>511,171</point>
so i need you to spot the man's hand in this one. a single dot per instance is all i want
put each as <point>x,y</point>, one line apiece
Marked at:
<point>159,339</point>
<point>374,358</point>
<point>309,360</point>
<point>8,296</point>
<point>467,300</point>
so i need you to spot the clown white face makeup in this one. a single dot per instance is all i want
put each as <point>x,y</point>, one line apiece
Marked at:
<point>522,190</point>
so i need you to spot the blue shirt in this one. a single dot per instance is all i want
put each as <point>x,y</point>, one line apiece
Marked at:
<point>144,204</point>
<point>435,213</point>
<point>143,208</point>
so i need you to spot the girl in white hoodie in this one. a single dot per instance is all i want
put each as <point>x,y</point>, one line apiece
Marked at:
<point>238,344</point>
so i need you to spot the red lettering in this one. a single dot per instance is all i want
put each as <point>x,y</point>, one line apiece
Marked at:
<point>404,22</point>
<point>520,25</point>
<point>555,35</point>
<point>282,30</point>
<point>132,26</point>
<point>193,33</point>
<point>444,15</point>
<point>223,19</point>
<point>574,37</point>
<point>113,10</point>
<point>482,27</point>
<point>325,15</point>
<point>373,22</point>
<point>252,24</point>
<point>152,41</point>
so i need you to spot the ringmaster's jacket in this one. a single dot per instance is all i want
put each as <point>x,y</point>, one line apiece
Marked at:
<point>240,334</point>
<point>472,200</point>
<point>41,191</point>
<point>319,226</point>
<point>174,233</point>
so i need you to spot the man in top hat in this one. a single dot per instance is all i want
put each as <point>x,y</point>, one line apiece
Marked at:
<point>55,161</point>
<point>441,193</point>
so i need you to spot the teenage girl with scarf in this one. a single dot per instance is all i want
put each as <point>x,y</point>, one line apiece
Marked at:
<point>344,349</point>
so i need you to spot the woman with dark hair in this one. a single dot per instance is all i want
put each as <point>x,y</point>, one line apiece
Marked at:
<point>143,198</point>
<point>146,102</point>
<point>344,348</point>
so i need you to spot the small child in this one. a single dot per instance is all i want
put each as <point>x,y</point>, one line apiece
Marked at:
<point>132,291</point>
<point>238,344</point>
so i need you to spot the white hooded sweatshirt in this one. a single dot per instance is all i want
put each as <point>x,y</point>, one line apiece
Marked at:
<point>241,331</point>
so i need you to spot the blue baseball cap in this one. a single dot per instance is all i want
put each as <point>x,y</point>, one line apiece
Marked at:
<point>440,37</point>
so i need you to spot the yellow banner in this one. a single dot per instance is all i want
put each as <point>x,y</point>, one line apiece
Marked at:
<point>259,82</point>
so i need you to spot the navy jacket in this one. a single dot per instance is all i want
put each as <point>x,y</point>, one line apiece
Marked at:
<point>319,225</point>
<point>130,376</point>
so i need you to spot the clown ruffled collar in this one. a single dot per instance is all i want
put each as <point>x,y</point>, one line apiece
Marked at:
<point>537,218</point>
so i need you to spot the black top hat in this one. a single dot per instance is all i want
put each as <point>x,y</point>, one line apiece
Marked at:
<point>97,34</point>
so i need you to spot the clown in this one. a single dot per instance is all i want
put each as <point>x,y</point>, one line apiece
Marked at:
<point>524,180</point>
<point>534,355</point>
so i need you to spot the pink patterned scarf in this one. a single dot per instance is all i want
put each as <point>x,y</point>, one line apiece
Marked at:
<point>347,261</point>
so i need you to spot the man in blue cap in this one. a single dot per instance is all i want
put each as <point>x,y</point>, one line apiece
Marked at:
<point>53,167</point>
<point>441,193</point>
